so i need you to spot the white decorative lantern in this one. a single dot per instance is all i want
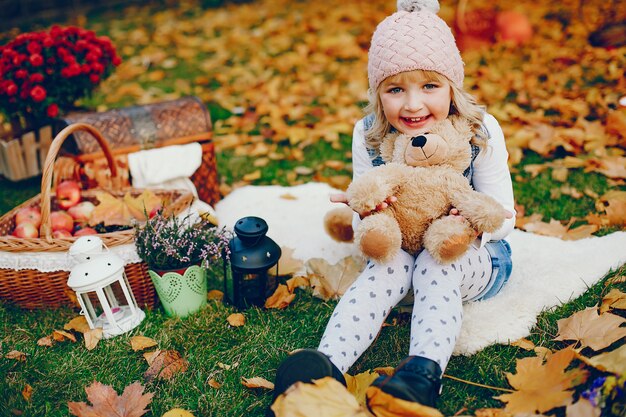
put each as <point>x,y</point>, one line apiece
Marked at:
<point>96,279</point>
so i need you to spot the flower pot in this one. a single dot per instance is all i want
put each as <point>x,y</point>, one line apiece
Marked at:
<point>183,291</point>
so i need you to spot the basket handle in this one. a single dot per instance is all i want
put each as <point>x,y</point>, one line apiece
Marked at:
<point>45,230</point>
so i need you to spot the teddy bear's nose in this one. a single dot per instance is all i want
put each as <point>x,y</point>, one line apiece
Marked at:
<point>418,141</point>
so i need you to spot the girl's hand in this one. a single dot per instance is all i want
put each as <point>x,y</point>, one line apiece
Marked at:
<point>342,198</point>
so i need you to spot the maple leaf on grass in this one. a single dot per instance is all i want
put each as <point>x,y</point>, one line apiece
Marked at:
<point>590,329</point>
<point>332,281</point>
<point>541,387</point>
<point>281,298</point>
<point>256,382</point>
<point>142,342</point>
<point>106,403</point>
<point>165,364</point>
<point>325,397</point>
<point>613,361</point>
<point>614,299</point>
<point>358,384</point>
<point>385,405</point>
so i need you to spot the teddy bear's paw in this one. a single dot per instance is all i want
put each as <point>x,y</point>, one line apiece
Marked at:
<point>452,248</point>
<point>379,237</point>
<point>448,238</point>
<point>338,224</point>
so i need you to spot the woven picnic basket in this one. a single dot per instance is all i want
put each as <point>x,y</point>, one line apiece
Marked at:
<point>35,289</point>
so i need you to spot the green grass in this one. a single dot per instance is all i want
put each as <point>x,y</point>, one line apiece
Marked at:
<point>59,374</point>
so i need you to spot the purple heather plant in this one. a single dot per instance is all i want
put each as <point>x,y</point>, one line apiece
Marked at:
<point>170,242</point>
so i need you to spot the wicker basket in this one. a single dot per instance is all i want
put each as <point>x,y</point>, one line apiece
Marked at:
<point>32,288</point>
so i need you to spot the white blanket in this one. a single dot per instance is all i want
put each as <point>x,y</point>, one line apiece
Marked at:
<point>547,271</point>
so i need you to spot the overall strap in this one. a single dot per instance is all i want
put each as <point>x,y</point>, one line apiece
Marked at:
<point>368,122</point>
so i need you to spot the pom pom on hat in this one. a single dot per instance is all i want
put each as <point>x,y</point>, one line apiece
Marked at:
<point>414,38</point>
<point>418,5</point>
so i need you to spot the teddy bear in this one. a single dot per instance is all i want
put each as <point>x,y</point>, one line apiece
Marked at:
<point>425,173</point>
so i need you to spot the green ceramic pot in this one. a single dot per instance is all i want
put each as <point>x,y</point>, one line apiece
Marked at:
<point>183,291</point>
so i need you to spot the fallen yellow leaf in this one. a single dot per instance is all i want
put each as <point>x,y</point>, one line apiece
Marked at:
<point>214,384</point>
<point>60,335</point>
<point>257,382</point>
<point>325,397</point>
<point>358,384</point>
<point>281,298</point>
<point>297,282</point>
<point>590,329</point>
<point>27,392</point>
<point>236,319</point>
<point>614,299</point>
<point>613,361</point>
<point>541,387</point>
<point>524,344</point>
<point>215,295</point>
<point>45,341</point>
<point>178,412</point>
<point>287,264</point>
<point>141,343</point>
<point>332,281</point>
<point>385,405</point>
<point>92,337</point>
<point>78,324</point>
<point>17,355</point>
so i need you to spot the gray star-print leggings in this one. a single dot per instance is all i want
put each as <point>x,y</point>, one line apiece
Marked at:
<point>438,290</point>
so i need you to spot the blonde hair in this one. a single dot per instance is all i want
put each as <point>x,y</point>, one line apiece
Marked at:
<point>463,104</point>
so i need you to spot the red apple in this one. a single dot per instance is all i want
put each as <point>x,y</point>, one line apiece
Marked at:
<point>68,194</point>
<point>85,231</point>
<point>60,220</point>
<point>514,26</point>
<point>81,211</point>
<point>61,233</point>
<point>26,230</point>
<point>28,215</point>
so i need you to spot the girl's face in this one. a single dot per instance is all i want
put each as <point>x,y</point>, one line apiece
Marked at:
<point>414,101</point>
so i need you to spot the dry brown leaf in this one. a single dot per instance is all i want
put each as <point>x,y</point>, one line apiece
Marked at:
<point>613,361</point>
<point>257,382</point>
<point>614,203</point>
<point>614,299</point>
<point>541,387</point>
<point>17,355</point>
<point>385,405</point>
<point>215,295</point>
<point>150,356</point>
<point>524,344</point>
<point>332,281</point>
<point>166,365</point>
<point>27,392</point>
<point>78,324</point>
<point>92,337</point>
<point>106,403</point>
<point>615,280</point>
<point>61,335</point>
<point>297,282</point>
<point>542,352</point>
<point>141,206</point>
<point>227,367</point>
<point>287,264</point>
<point>45,341</point>
<point>110,210</point>
<point>590,329</point>
<point>281,298</point>
<point>325,397</point>
<point>255,175</point>
<point>556,229</point>
<point>142,342</point>
<point>358,384</point>
<point>236,319</point>
<point>214,384</point>
<point>582,408</point>
<point>288,197</point>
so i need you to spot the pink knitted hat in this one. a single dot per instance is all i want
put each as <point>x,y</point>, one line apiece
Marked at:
<point>414,38</point>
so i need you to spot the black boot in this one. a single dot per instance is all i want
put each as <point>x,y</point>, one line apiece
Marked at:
<point>303,366</point>
<point>416,379</point>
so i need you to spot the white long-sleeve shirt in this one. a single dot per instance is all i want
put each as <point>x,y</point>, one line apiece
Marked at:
<point>491,174</point>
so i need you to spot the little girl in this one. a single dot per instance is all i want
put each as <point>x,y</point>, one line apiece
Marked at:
<point>416,79</point>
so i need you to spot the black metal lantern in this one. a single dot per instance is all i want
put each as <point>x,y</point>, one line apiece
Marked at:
<point>247,281</point>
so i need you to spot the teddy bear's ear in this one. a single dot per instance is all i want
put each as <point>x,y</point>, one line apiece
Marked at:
<point>386,147</point>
